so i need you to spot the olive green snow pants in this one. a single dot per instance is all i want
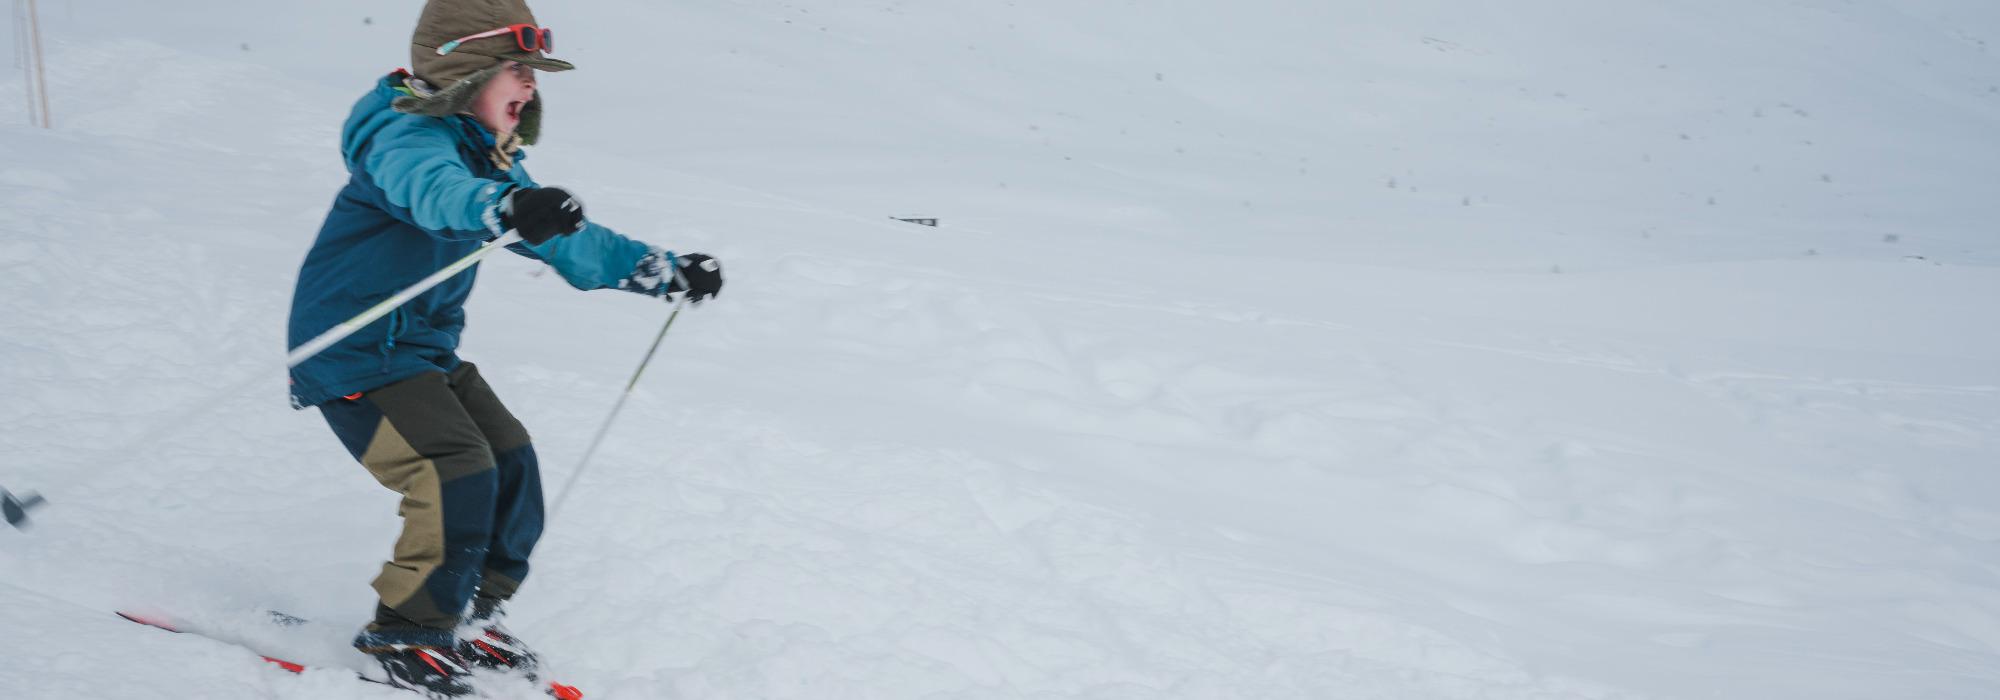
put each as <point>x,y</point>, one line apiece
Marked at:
<point>472,497</point>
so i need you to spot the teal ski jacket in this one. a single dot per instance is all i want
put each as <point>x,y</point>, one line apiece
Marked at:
<point>422,193</point>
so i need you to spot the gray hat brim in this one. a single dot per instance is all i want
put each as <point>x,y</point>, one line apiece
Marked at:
<point>542,63</point>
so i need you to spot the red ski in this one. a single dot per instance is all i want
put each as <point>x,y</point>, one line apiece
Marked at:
<point>556,690</point>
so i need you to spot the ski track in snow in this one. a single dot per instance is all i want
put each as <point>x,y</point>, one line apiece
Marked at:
<point>1123,427</point>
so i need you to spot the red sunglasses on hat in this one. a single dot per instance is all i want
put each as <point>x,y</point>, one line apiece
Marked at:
<point>527,36</point>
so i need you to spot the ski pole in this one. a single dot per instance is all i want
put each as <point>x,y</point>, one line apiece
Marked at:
<point>570,483</point>
<point>348,327</point>
<point>297,355</point>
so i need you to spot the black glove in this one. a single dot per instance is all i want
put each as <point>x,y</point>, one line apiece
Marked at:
<point>541,213</point>
<point>704,277</point>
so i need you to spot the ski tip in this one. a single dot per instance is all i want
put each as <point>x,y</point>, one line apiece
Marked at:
<point>287,665</point>
<point>564,692</point>
<point>149,620</point>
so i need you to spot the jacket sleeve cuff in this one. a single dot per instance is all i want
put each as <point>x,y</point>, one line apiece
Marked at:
<point>489,212</point>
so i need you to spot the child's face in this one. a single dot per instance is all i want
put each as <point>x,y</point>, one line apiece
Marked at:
<point>499,103</point>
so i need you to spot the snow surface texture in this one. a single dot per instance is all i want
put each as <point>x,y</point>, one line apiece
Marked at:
<point>1266,350</point>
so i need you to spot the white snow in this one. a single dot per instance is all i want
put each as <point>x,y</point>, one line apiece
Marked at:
<point>1628,349</point>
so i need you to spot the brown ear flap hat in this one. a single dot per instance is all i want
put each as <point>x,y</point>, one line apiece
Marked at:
<point>458,75</point>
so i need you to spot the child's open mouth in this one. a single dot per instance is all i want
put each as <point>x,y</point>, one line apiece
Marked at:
<point>514,110</point>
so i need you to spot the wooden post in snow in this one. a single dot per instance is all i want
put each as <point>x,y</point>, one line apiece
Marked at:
<point>41,75</point>
<point>33,73</point>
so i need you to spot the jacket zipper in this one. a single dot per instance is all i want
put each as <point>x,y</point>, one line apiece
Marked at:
<point>397,324</point>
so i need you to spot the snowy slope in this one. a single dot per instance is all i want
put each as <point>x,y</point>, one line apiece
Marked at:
<point>1268,350</point>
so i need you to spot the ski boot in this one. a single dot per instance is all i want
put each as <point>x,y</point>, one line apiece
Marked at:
<point>487,644</point>
<point>433,671</point>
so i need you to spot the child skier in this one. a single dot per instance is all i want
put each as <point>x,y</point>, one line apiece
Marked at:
<point>435,166</point>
